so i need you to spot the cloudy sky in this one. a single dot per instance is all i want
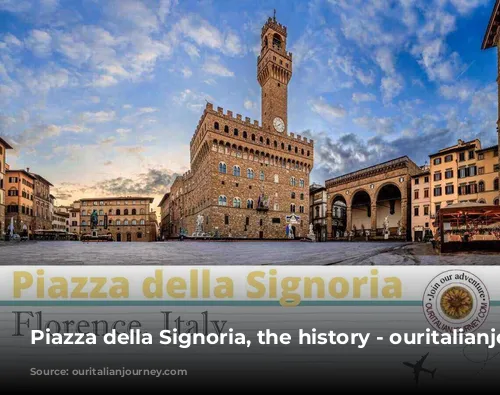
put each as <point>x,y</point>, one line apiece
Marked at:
<point>102,97</point>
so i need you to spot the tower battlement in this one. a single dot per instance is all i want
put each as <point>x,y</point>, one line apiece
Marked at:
<point>273,24</point>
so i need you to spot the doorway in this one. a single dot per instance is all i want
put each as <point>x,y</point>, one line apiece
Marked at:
<point>118,237</point>
<point>129,236</point>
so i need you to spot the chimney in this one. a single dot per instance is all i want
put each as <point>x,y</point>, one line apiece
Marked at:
<point>28,169</point>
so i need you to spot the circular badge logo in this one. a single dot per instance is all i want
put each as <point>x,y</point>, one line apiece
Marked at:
<point>456,299</point>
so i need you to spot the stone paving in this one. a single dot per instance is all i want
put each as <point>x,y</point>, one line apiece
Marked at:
<point>231,253</point>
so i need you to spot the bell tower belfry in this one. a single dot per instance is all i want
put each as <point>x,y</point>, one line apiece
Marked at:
<point>274,71</point>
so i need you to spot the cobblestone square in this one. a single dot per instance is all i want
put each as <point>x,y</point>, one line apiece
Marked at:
<point>232,253</point>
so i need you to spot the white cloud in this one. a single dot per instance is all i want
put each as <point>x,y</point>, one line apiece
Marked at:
<point>186,72</point>
<point>391,87</point>
<point>40,42</point>
<point>146,110</point>
<point>192,100</point>
<point>103,81</point>
<point>212,66</point>
<point>381,126</point>
<point>12,41</point>
<point>165,9</point>
<point>232,45</point>
<point>327,111</point>
<point>123,132</point>
<point>134,11</point>
<point>98,117</point>
<point>456,92</point>
<point>45,80</point>
<point>250,105</point>
<point>466,6</point>
<point>191,50</point>
<point>201,32</point>
<point>385,60</point>
<point>127,106</point>
<point>363,97</point>
<point>95,99</point>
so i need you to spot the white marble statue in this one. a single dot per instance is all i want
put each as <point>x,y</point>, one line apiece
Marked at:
<point>386,228</point>
<point>400,230</point>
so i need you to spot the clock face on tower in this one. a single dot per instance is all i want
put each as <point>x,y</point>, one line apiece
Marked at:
<point>279,125</point>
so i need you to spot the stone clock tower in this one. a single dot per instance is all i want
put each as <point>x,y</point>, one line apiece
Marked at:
<point>274,71</point>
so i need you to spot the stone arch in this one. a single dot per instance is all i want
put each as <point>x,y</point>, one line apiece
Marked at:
<point>388,199</point>
<point>339,216</point>
<point>360,205</point>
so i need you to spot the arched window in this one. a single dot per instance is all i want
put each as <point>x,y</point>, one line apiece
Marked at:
<point>118,211</point>
<point>235,132</point>
<point>261,139</point>
<point>222,200</point>
<point>249,203</point>
<point>301,209</point>
<point>293,181</point>
<point>276,178</point>
<point>253,137</point>
<point>84,223</point>
<point>143,211</point>
<point>237,202</point>
<point>139,235</point>
<point>275,144</point>
<point>301,196</point>
<point>301,183</point>
<point>84,213</point>
<point>268,141</point>
<point>134,222</point>
<point>296,150</point>
<point>481,186</point>
<point>262,175</point>
<point>118,222</point>
<point>216,125</point>
<point>101,212</point>
<point>277,41</point>
<point>302,151</point>
<point>245,135</point>
<point>308,153</point>
<point>495,184</point>
<point>292,195</point>
<point>134,211</point>
<point>125,212</point>
<point>226,129</point>
<point>292,208</point>
<point>282,145</point>
<point>110,211</point>
<point>125,222</point>
<point>101,222</point>
<point>250,173</point>
<point>496,202</point>
<point>276,207</point>
<point>222,168</point>
<point>236,171</point>
<point>142,222</point>
<point>289,147</point>
<point>110,222</point>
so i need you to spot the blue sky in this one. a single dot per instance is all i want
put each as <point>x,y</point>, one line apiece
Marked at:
<point>102,97</point>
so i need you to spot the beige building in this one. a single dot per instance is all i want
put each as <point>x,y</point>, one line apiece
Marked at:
<point>125,218</point>
<point>362,201</point>
<point>4,146</point>
<point>421,204</point>
<point>248,180</point>
<point>19,200</point>
<point>74,217</point>
<point>60,221</point>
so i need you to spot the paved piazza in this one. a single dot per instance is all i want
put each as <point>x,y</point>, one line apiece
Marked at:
<point>231,253</point>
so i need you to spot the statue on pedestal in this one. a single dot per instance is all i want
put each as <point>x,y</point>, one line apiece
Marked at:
<point>400,230</point>
<point>311,235</point>
<point>94,219</point>
<point>386,228</point>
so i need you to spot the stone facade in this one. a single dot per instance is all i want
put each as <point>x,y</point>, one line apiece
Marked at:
<point>42,216</point>
<point>125,218</point>
<point>317,213</point>
<point>362,200</point>
<point>248,180</point>
<point>19,200</point>
<point>4,146</point>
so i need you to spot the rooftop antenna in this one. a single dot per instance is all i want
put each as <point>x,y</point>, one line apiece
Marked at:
<point>274,16</point>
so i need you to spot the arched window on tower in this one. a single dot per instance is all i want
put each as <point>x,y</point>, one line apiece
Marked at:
<point>245,135</point>
<point>277,41</point>
<point>226,129</point>
<point>495,184</point>
<point>216,125</point>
